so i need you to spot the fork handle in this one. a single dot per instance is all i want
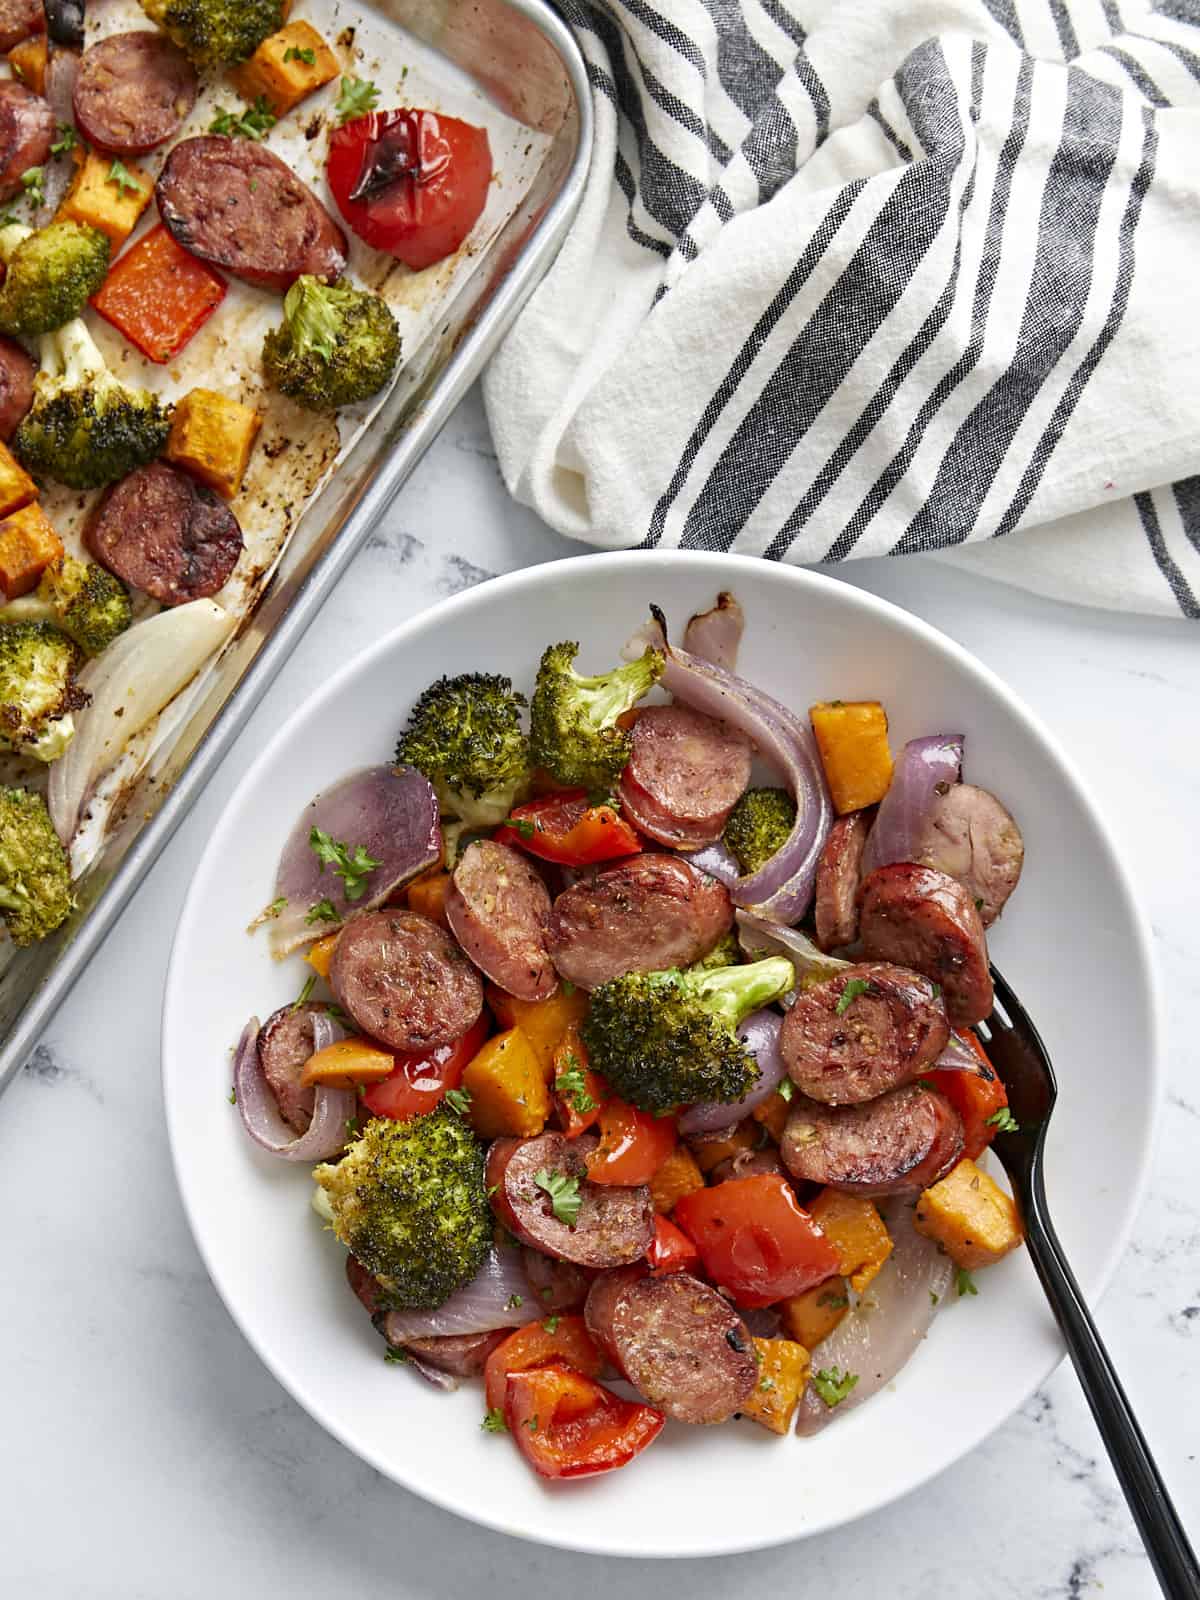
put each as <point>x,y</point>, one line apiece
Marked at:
<point>1171,1555</point>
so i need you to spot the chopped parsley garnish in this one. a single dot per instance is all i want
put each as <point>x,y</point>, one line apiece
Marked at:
<point>833,1385</point>
<point>568,988</point>
<point>933,1298</point>
<point>766,1384</point>
<point>937,990</point>
<point>514,1302</point>
<point>233,1096</point>
<point>572,1086</point>
<point>353,867</point>
<point>309,56</point>
<point>531,1423</point>
<point>551,1324</point>
<point>323,911</point>
<point>979,902</point>
<point>837,1301</point>
<point>333,1010</point>
<point>850,994</point>
<point>253,122</point>
<point>352,1128</point>
<point>492,1188</point>
<point>493,1421</point>
<point>394,1356</point>
<point>964,1282</point>
<point>356,97</point>
<point>522,825</point>
<point>31,181</point>
<point>459,1100</point>
<point>304,993</point>
<point>786,1089</point>
<point>565,1198</point>
<point>67,139</point>
<point>1003,1121</point>
<point>120,175</point>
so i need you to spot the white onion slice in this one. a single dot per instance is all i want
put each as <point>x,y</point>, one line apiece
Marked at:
<point>498,1296</point>
<point>332,1109</point>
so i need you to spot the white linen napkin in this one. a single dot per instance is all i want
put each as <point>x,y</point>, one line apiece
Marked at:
<point>867,277</point>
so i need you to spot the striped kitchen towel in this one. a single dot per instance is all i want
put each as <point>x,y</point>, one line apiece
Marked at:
<point>870,277</point>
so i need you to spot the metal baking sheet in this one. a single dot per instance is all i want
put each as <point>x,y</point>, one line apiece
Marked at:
<point>520,56</point>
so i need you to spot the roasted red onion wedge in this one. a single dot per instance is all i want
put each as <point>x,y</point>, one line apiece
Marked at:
<point>759,936</point>
<point>718,861</point>
<point>332,1109</point>
<point>760,1032</point>
<point>498,1296</point>
<point>926,769</point>
<point>716,634</point>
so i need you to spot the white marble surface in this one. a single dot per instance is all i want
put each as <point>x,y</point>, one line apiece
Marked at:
<point>147,1453</point>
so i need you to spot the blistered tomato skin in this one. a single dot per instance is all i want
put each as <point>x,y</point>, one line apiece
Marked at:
<point>410,182</point>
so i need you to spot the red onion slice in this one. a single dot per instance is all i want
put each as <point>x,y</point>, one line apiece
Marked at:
<point>391,812</point>
<point>445,1381</point>
<point>957,1056</point>
<point>498,1296</point>
<point>925,769</point>
<point>759,936</point>
<point>325,1031</point>
<point>761,1032</point>
<point>332,1109</point>
<point>718,861</point>
<point>879,1335</point>
<point>716,635</point>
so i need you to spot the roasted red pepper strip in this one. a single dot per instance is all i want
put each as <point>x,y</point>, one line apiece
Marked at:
<point>671,1250</point>
<point>976,1096</point>
<point>421,1079</point>
<point>567,829</point>
<point>158,295</point>
<point>567,1426</point>
<point>578,1091</point>
<point>564,1339</point>
<point>633,1145</point>
<point>756,1240</point>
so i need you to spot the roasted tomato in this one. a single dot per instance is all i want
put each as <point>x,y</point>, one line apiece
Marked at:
<point>410,182</point>
<point>756,1240</point>
<point>568,1426</point>
<point>420,1080</point>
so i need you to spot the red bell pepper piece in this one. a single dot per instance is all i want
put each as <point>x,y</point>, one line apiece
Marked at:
<point>422,1077</point>
<point>569,1426</point>
<point>578,1091</point>
<point>564,1339</point>
<point>978,1097</point>
<point>158,295</point>
<point>567,829</point>
<point>756,1240</point>
<point>633,1145</point>
<point>670,1250</point>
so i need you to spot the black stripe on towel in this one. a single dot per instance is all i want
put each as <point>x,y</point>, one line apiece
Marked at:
<point>1163,558</point>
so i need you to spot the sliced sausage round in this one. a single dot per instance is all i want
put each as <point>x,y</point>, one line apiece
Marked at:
<point>26,133</point>
<point>865,1031</point>
<point>614,1225</point>
<point>838,874</point>
<point>642,915</point>
<point>557,1285</point>
<point>686,773</point>
<point>17,372</point>
<point>498,907</point>
<point>463,1355</point>
<point>285,1042</point>
<point>19,19</point>
<point>971,837</point>
<point>235,204</point>
<point>133,91</point>
<point>679,1343</point>
<point>404,980</point>
<point>749,1164</point>
<point>365,1285</point>
<point>166,534</point>
<point>921,918</point>
<point>901,1142</point>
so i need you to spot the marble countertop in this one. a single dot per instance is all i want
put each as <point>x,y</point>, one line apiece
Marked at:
<point>148,1452</point>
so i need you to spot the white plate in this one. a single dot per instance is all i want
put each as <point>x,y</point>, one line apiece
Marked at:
<point>1072,943</point>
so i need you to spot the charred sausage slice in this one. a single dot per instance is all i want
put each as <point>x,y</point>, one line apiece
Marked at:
<point>643,915</point>
<point>865,1031</point>
<point>19,19</point>
<point>838,874</point>
<point>614,1225</point>
<point>404,980</point>
<point>26,133</point>
<point>464,1355</point>
<point>237,205</point>
<point>680,1344</point>
<point>166,534</point>
<point>686,773</point>
<point>971,837</point>
<point>17,372</point>
<point>557,1285</point>
<point>498,907</point>
<point>919,917</point>
<point>901,1142</point>
<point>285,1042</point>
<point>133,91</point>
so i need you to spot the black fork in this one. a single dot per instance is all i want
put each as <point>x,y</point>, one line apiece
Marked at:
<point>1019,1056</point>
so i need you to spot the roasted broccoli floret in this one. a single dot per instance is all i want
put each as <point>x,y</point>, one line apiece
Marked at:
<point>727,952</point>
<point>573,719</point>
<point>336,345</point>
<point>216,33</point>
<point>758,826</point>
<point>667,1039</point>
<point>465,735</point>
<point>85,600</point>
<point>87,428</point>
<point>51,274</point>
<point>35,876</point>
<point>409,1201</point>
<point>38,691</point>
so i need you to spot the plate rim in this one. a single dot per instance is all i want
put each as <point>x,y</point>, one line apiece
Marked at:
<point>724,567</point>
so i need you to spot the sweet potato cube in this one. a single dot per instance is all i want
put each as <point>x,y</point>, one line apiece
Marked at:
<point>773,1113</point>
<point>212,437</point>
<point>970,1216</point>
<point>28,545</point>
<point>678,1175</point>
<point>320,955</point>
<point>710,1149</point>
<point>17,488</point>
<point>812,1316</point>
<point>852,736</point>
<point>782,1373</point>
<point>856,1231</point>
<point>286,67</point>
<point>95,200</point>
<point>28,61</point>
<point>543,1022</point>
<point>427,896</point>
<point>507,1088</point>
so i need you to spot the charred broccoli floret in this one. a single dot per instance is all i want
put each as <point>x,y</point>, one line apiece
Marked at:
<point>216,33</point>
<point>51,275</point>
<point>85,600</point>
<point>465,735</point>
<point>758,826</point>
<point>87,428</point>
<point>337,345</point>
<point>35,876</point>
<point>667,1039</point>
<point>38,691</point>
<point>408,1200</point>
<point>727,952</point>
<point>573,719</point>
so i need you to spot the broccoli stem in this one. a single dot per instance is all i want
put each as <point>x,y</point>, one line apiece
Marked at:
<point>71,351</point>
<point>732,993</point>
<point>609,695</point>
<point>12,235</point>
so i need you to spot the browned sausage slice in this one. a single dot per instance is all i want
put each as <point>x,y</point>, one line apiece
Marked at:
<point>919,917</point>
<point>19,19</point>
<point>133,91</point>
<point>642,915</point>
<point>680,1344</point>
<point>404,980</point>
<point>686,773</point>
<point>26,133</point>
<point>614,1225</point>
<point>17,372</point>
<point>498,907</point>
<point>971,837</point>
<point>285,1042</point>
<point>166,534</point>
<point>865,1031</point>
<point>838,874</point>
<point>557,1285</point>
<point>464,1355</point>
<point>237,205</point>
<point>901,1142</point>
